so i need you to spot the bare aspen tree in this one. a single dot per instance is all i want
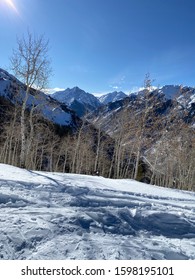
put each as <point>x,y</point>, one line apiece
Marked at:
<point>30,64</point>
<point>76,150</point>
<point>96,164</point>
<point>142,122</point>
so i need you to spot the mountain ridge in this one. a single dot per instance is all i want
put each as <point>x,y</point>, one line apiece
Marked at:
<point>14,90</point>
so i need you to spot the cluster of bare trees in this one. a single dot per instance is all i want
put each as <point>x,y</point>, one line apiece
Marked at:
<point>31,65</point>
<point>132,132</point>
<point>172,157</point>
<point>81,152</point>
<point>155,147</point>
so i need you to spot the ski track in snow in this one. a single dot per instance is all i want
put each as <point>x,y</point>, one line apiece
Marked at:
<point>67,216</point>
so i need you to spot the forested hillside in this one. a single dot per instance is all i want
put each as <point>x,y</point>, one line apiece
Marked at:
<point>151,129</point>
<point>146,137</point>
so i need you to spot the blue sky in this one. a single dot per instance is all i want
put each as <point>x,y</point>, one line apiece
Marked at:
<point>106,45</point>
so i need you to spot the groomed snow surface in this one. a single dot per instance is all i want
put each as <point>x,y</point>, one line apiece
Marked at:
<point>67,216</point>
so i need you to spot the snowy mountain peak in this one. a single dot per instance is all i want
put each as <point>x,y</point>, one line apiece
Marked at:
<point>170,91</point>
<point>112,97</point>
<point>70,96</point>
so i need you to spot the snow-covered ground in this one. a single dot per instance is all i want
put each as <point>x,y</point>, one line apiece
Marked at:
<point>66,216</point>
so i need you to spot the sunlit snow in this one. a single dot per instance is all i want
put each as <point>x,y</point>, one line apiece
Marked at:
<point>67,216</point>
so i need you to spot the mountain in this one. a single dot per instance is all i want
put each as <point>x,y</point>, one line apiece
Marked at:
<point>53,216</point>
<point>14,91</point>
<point>112,97</point>
<point>165,100</point>
<point>183,94</point>
<point>170,91</point>
<point>77,99</point>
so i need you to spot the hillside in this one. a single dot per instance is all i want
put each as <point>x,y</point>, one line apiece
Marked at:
<point>151,127</point>
<point>67,216</point>
<point>14,91</point>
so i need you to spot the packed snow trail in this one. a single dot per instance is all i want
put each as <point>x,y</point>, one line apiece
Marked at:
<point>67,216</point>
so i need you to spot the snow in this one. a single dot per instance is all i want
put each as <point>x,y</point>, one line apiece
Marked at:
<point>170,91</point>
<point>67,216</point>
<point>187,99</point>
<point>112,97</point>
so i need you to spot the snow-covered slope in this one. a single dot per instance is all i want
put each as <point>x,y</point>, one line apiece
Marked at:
<point>112,97</point>
<point>68,216</point>
<point>171,91</point>
<point>183,94</point>
<point>187,97</point>
<point>76,95</point>
<point>13,90</point>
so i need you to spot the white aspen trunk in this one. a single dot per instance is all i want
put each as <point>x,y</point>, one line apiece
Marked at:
<point>23,131</point>
<point>137,164</point>
<point>97,151</point>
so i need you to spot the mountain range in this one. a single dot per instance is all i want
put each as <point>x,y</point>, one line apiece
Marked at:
<point>167,99</point>
<point>62,107</point>
<point>83,102</point>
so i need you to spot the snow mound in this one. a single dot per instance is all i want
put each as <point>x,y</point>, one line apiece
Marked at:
<point>67,216</point>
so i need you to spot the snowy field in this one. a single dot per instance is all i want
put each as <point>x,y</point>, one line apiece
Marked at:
<point>66,216</point>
